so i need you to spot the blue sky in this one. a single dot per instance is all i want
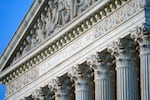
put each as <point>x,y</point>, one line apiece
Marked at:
<point>11,14</point>
<point>2,91</point>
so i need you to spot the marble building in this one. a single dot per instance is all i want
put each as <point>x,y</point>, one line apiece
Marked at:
<point>80,50</point>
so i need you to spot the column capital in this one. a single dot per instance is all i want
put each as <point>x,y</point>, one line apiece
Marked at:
<point>121,45</point>
<point>79,71</point>
<point>123,49</point>
<point>101,62</point>
<point>142,36</point>
<point>139,33</point>
<point>81,74</point>
<point>38,94</point>
<point>61,86</point>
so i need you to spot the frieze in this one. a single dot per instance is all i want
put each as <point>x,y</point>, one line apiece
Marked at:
<point>21,81</point>
<point>118,17</point>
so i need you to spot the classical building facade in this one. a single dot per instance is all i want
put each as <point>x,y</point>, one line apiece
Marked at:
<point>80,50</point>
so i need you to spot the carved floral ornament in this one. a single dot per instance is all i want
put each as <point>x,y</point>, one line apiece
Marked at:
<point>66,38</point>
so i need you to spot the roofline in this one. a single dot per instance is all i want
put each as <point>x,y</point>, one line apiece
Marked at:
<point>36,5</point>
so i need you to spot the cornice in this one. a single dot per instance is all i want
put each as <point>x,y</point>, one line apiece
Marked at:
<point>68,34</point>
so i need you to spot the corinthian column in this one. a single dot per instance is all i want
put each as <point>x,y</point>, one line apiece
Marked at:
<point>83,87</point>
<point>124,52</point>
<point>101,63</point>
<point>61,87</point>
<point>143,38</point>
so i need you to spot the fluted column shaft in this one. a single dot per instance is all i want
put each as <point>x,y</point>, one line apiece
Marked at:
<point>143,38</point>
<point>83,86</point>
<point>101,63</point>
<point>62,95</point>
<point>103,89</point>
<point>126,78</point>
<point>127,84</point>
<point>145,76</point>
<point>83,89</point>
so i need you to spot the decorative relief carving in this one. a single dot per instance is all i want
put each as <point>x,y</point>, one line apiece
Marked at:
<point>54,16</point>
<point>119,16</point>
<point>21,81</point>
